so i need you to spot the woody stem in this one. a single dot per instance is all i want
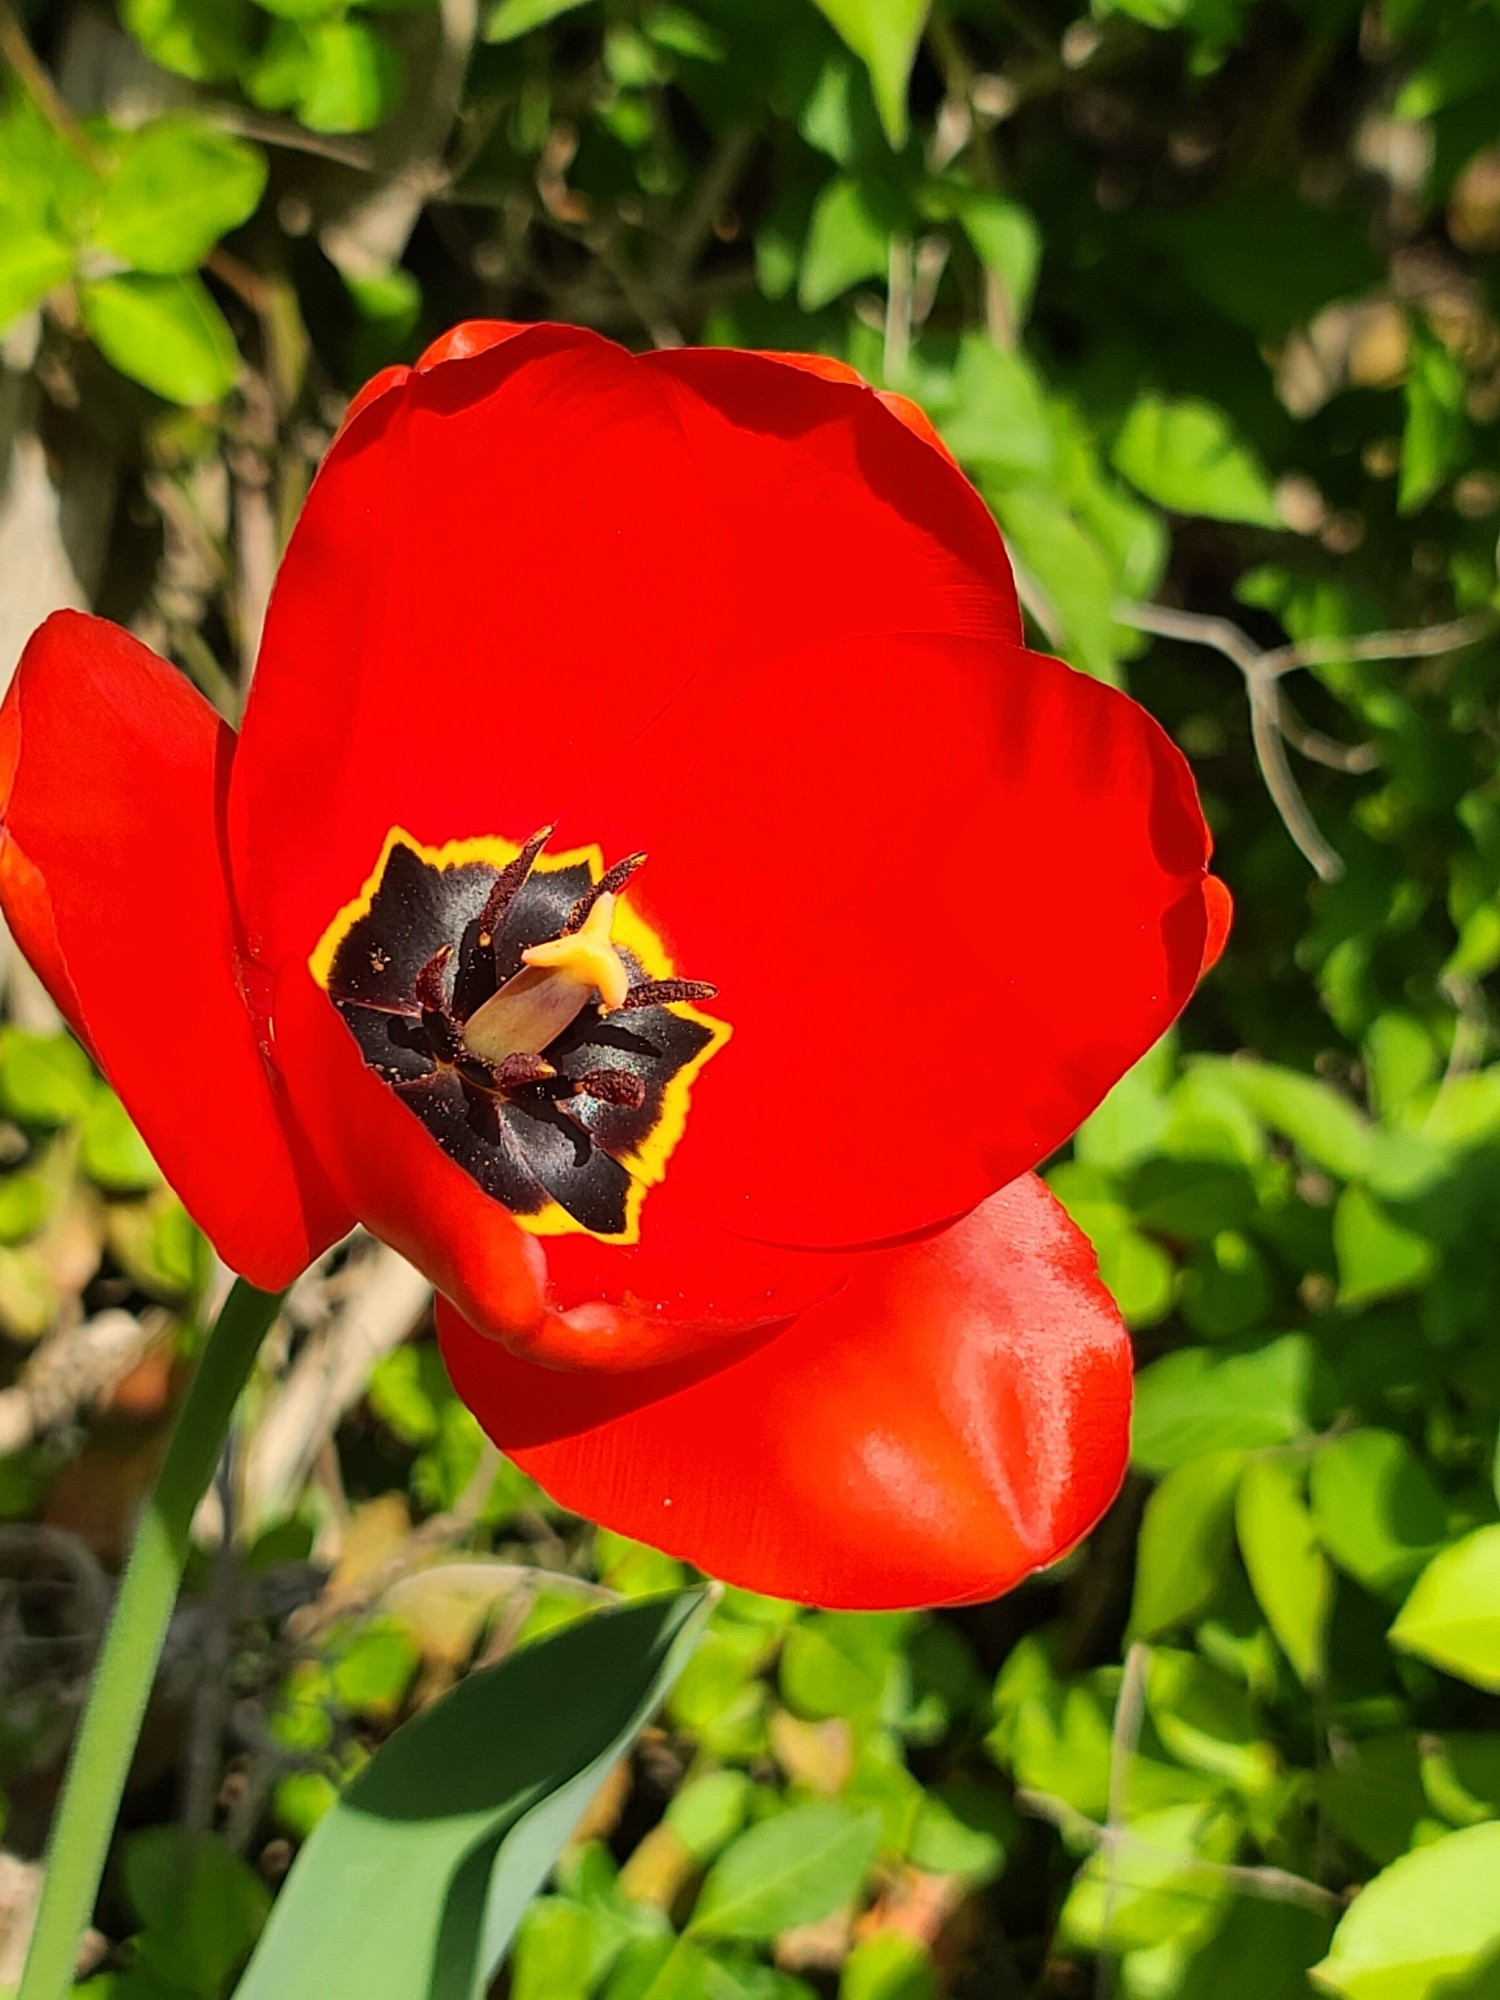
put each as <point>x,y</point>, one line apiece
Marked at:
<point>106,1740</point>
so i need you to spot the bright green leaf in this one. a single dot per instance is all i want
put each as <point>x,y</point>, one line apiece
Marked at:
<point>1452,1617</point>
<point>1184,1542</point>
<point>514,18</point>
<point>44,1079</point>
<point>1423,1923</point>
<point>1185,455</point>
<point>1378,1513</point>
<point>848,241</point>
<point>337,76</point>
<point>207,41</point>
<point>1288,1571</point>
<point>791,1869</point>
<point>1378,1257</point>
<point>111,1151</point>
<point>884,35</point>
<point>33,261</point>
<point>1197,1401</point>
<point>178,188</point>
<point>165,333</point>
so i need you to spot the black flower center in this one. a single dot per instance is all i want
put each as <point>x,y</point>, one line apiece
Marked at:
<point>534,1024</point>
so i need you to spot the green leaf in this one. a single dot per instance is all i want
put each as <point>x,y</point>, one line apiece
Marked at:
<point>1423,1923</point>
<point>1154,1887</point>
<point>1197,1401</point>
<point>884,35</point>
<point>1432,443</point>
<point>451,1826</point>
<point>207,41</point>
<point>888,1966</point>
<point>1320,1122</point>
<point>1006,240</point>
<point>1184,1543</point>
<point>791,1869</point>
<point>513,18</point>
<point>1377,1257</point>
<point>1070,568</point>
<point>33,261</point>
<point>1205,1720</point>
<point>336,76</point>
<point>165,333</point>
<point>1000,417</point>
<point>25,1202</point>
<point>178,188</point>
<point>842,1665</point>
<point>44,1079</point>
<point>1288,1571</point>
<point>111,1152</point>
<point>1185,455</point>
<point>848,241</point>
<point>1374,1795</point>
<point>1452,1617</point>
<point>1377,1511</point>
<point>1261,1951</point>
<point>201,1905</point>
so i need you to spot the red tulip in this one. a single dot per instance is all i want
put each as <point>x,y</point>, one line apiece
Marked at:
<point>722,1167</point>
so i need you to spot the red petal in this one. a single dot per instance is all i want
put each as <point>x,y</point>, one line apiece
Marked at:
<point>395,1178</point>
<point>1219,907</point>
<point>514,560</point>
<point>909,413</point>
<point>498,576</point>
<point>955,1419</point>
<point>565,1301</point>
<point>113,770</point>
<point>843,519</point>
<point>949,892</point>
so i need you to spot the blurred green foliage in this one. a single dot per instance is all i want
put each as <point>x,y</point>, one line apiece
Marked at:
<point>1203,295</point>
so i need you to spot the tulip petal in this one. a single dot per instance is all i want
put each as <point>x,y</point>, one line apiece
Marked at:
<point>113,769</point>
<point>566,1301</point>
<point>518,555</point>
<point>949,891</point>
<point>957,1417</point>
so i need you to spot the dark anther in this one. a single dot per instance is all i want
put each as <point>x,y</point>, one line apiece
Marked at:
<point>519,1069</point>
<point>430,995</point>
<point>665,993</point>
<point>507,883</point>
<point>613,1086</point>
<point>610,883</point>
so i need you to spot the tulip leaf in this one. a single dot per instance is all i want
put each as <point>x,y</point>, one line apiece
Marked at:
<point>412,1884</point>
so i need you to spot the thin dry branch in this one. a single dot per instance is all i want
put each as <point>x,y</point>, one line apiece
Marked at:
<point>386,1299</point>
<point>1275,1885</point>
<point>1274,722</point>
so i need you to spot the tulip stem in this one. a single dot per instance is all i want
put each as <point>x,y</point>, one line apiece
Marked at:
<point>106,1739</point>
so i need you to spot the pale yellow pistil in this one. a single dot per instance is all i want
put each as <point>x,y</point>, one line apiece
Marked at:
<point>559,980</point>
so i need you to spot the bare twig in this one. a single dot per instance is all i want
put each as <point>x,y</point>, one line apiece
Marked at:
<point>1274,723</point>
<point>717,182</point>
<point>327,1379</point>
<point>1124,1736</point>
<point>1274,1885</point>
<point>42,91</point>
<point>72,1369</point>
<point>292,137</point>
<point>898,304</point>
